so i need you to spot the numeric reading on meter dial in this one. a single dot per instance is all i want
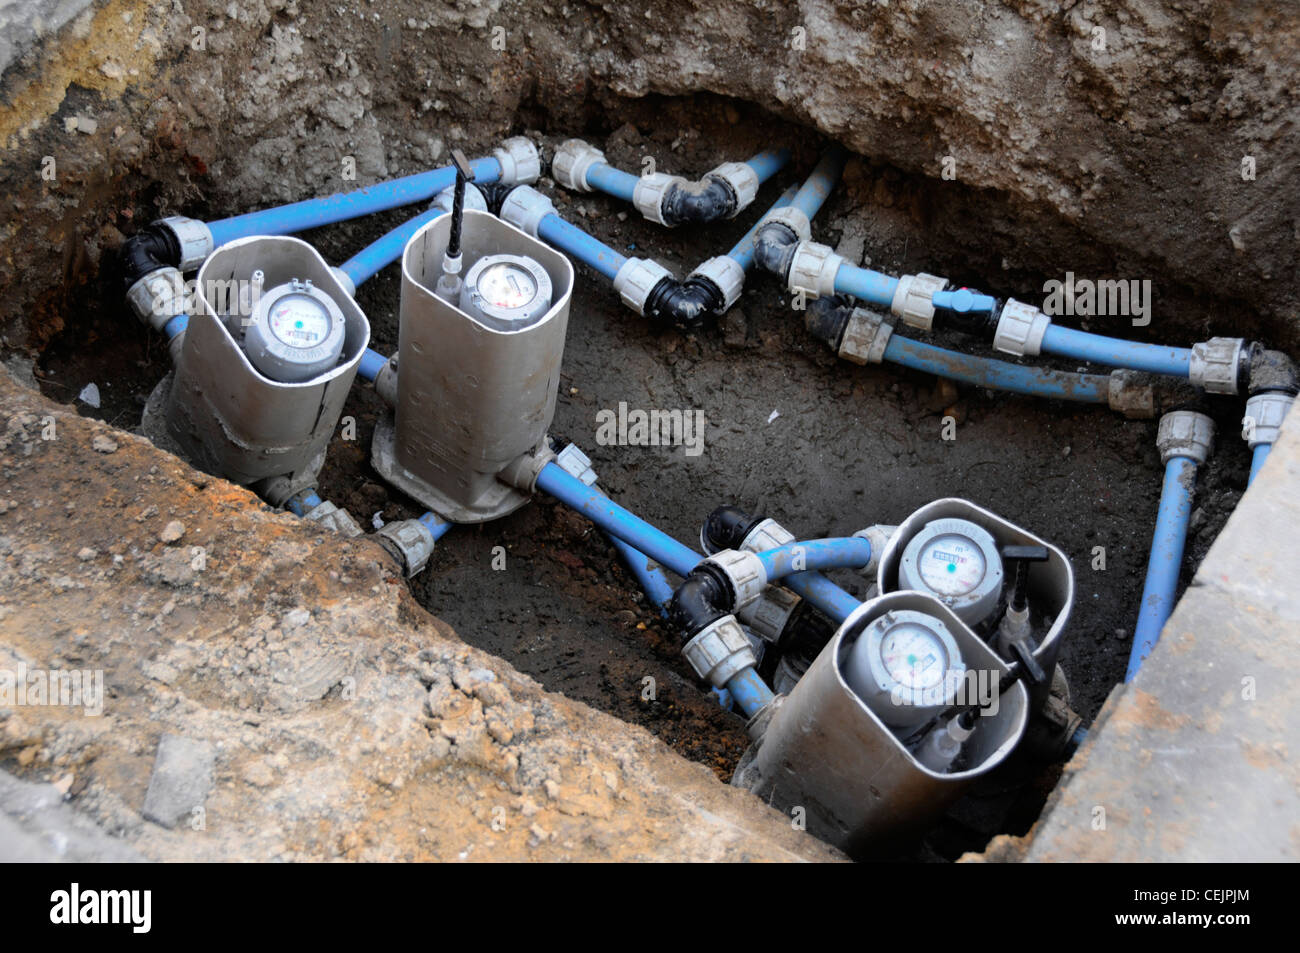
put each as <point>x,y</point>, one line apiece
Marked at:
<point>300,321</point>
<point>913,656</point>
<point>506,285</point>
<point>952,565</point>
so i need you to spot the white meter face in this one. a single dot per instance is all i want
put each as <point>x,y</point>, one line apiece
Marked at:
<point>300,321</point>
<point>952,565</point>
<point>506,285</point>
<point>914,656</point>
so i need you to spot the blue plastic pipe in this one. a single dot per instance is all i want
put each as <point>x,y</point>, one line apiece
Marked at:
<point>817,187</point>
<point>176,325</point>
<point>1257,458</point>
<point>304,503</point>
<point>768,163</point>
<point>648,575</point>
<point>1112,352</point>
<point>743,253</point>
<point>382,252</point>
<point>823,594</point>
<point>586,248</point>
<point>372,362</point>
<point>749,692</point>
<point>850,552</point>
<point>997,375</point>
<point>1166,559</point>
<point>866,285</point>
<point>342,206</point>
<point>612,181</point>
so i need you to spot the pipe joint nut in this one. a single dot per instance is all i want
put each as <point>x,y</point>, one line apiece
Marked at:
<point>769,534</point>
<point>158,297</point>
<point>720,651</point>
<point>192,236</point>
<point>1215,366</point>
<point>813,268</point>
<point>576,464</point>
<point>741,179</point>
<point>744,572</point>
<point>386,382</point>
<point>1020,329</point>
<point>727,276</point>
<point>636,279</point>
<point>522,472</point>
<point>345,280</point>
<point>520,162</point>
<point>865,337</point>
<point>1264,414</point>
<point>648,196</point>
<point>525,207</point>
<point>768,615</point>
<point>410,542</point>
<point>334,519</point>
<point>1185,433</point>
<point>878,536</point>
<point>571,161</point>
<point>792,218</point>
<point>914,299</point>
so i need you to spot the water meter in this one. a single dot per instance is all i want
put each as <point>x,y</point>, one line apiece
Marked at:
<point>296,332</point>
<point>506,292</point>
<point>906,666</point>
<point>957,562</point>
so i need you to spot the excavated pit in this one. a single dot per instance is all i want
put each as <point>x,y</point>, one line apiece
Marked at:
<point>823,446</point>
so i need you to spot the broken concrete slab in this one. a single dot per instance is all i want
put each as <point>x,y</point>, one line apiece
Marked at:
<point>183,775</point>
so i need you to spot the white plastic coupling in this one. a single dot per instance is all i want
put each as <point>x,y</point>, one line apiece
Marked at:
<point>865,337</point>
<point>1215,366</point>
<point>446,199</point>
<point>636,279</point>
<point>793,219</point>
<point>1264,415</point>
<point>525,207</point>
<point>1020,329</point>
<point>571,161</point>
<point>158,297</point>
<point>520,162</point>
<point>648,196</point>
<point>411,541</point>
<point>334,519</point>
<point>767,615</point>
<point>878,536</point>
<point>813,269</point>
<point>744,571</point>
<point>720,651</point>
<point>194,238</point>
<point>727,276</point>
<point>1185,433</point>
<point>914,299</point>
<point>576,464</point>
<point>769,534</point>
<point>741,178</point>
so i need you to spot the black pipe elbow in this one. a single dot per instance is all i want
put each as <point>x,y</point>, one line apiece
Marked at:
<point>151,248</point>
<point>1272,371</point>
<point>702,599</point>
<point>726,528</point>
<point>827,318</point>
<point>698,204</point>
<point>774,245</point>
<point>494,193</point>
<point>683,304</point>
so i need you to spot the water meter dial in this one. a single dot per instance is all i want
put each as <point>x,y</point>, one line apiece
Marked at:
<point>957,562</point>
<point>296,332</point>
<point>507,291</point>
<point>906,666</point>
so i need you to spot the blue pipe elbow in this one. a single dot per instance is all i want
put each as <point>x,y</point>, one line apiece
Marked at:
<point>1166,559</point>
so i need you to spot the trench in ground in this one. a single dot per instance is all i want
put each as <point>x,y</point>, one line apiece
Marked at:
<point>823,446</point>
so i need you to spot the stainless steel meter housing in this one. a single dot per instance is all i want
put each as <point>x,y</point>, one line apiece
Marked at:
<point>280,359</point>
<point>1051,583</point>
<point>473,396</point>
<point>973,602</point>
